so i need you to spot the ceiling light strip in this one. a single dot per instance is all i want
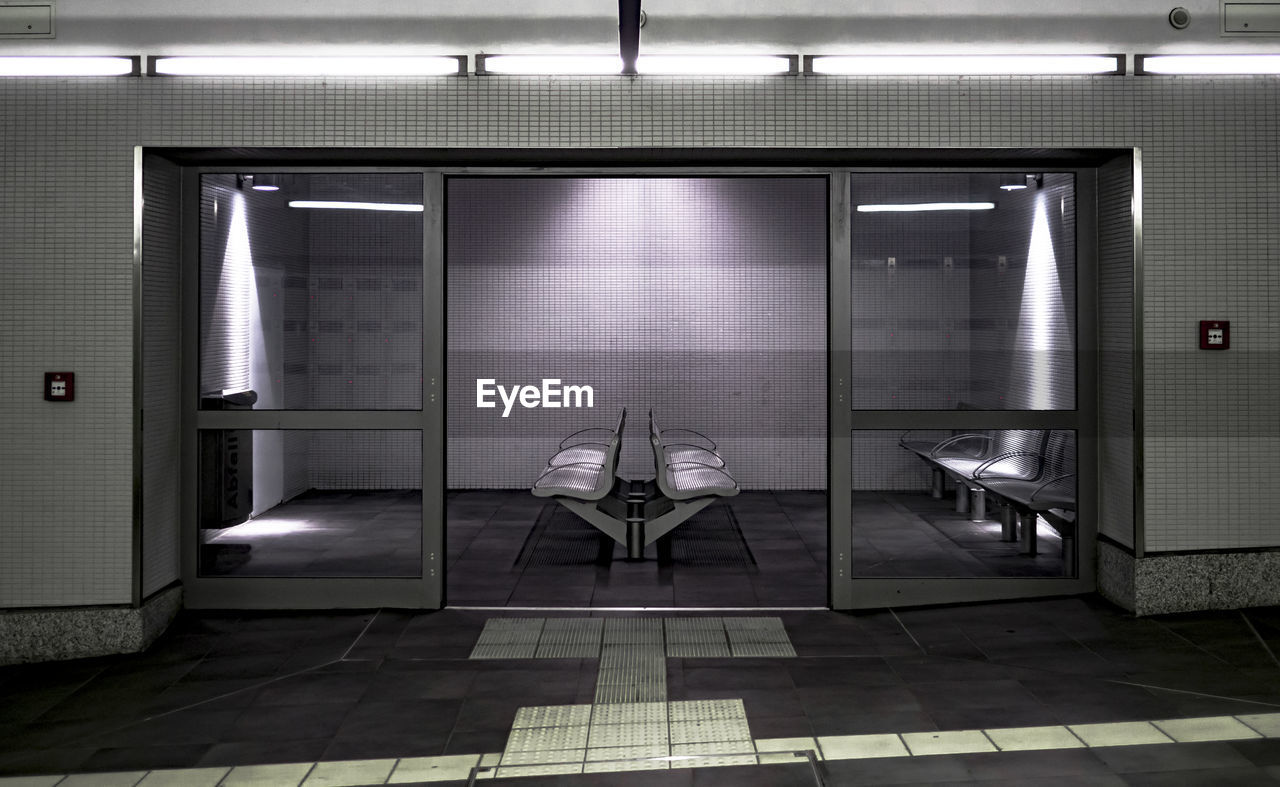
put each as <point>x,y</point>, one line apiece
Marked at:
<point>965,65</point>
<point>70,66</point>
<point>339,205</point>
<point>1206,65</point>
<point>654,65</point>
<point>916,207</point>
<point>337,66</point>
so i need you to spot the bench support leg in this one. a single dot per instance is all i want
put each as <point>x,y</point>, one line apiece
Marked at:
<point>939,485</point>
<point>977,505</point>
<point>962,497</point>
<point>1029,533</point>
<point>1008,523</point>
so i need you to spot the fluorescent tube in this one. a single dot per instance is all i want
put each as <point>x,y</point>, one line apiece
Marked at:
<point>923,206</point>
<point>307,203</point>
<point>17,66</point>
<point>306,66</point>
<point>1208,64</point>
<point>583,65</point>
<point>964,65</point>
<point>711,65</point>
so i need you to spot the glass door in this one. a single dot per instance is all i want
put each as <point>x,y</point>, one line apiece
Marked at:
<point>962,392</point>
<point>312,342</point>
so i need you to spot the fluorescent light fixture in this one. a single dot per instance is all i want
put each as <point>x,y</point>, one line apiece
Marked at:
<point>964,65</point>
<point>39,66</point>
<point>1207,64</point>
<point>712,65</point>
<point>914,207</point>
<point>337,66</point>
<point>577,65</point>
<point>331,205</point>
<point>1006,187</point>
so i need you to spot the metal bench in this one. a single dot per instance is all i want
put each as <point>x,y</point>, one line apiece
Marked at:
<point>1008,453</point>
<point>582,477</point>
<point>1049,494</point>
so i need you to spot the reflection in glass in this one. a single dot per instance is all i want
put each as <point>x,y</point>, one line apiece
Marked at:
<point>979,503</point>
<point>963,309</point>
<point>310,503</point>
<point>310,309</point>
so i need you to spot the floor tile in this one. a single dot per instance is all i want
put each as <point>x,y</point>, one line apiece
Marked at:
<point>1028,738</point>
<point>1266,723</point>
<point>349,773</point>
<point>1128,733</point>
<point>850,747</point>
<point>119,779</point>
<point>283,775</point>
<point>947,742</point>
<point>434,769</point>
<point>186,777</point>
<point>1214,728</point>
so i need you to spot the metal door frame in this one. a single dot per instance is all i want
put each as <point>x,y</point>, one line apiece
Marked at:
<point>849,591</point>
<point>422,592</point>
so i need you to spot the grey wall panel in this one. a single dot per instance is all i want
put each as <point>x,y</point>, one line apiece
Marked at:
<point>161,374</point>
<point>702,298</point>
<point>1115,350</point>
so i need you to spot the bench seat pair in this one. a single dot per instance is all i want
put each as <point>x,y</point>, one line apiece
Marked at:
<point>689,475</point>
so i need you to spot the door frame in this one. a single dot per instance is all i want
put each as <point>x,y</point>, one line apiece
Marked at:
<point>232,592</point>
<point>849,591</point>
<point>428,591</point>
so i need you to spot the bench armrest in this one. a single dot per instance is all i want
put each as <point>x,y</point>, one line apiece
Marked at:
<point>604,429</point>
<point>977,472</point>
<point>692,432</point>
<point>720,470</point>
<point>1053,480</point>
<point>969,436</point>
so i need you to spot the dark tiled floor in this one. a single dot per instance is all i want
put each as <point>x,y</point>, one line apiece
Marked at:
<point>907,534</point>
<point>255,687</point>
<point>508,548</point>
<point>369,533</point>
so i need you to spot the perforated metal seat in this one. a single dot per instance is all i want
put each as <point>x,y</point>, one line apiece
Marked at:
<point>583,471</point>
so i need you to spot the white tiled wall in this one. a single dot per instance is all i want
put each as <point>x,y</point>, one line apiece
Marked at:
<point>1211,193</point>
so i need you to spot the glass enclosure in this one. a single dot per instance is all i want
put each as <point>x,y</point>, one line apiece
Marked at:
<point>311,291</point>
<point>964,391</point>
<point>310,503</point>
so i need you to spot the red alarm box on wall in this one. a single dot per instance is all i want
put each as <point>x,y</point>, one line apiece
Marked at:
<point>1215,334</point>
<point>59,386</point>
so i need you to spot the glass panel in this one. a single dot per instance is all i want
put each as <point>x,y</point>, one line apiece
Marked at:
<point>311,308</point>
<point>966,300</point>
<point>310,503</point>
<point>982,503</point>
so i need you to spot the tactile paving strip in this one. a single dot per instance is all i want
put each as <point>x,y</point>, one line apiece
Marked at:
<point>570,638</point>
<point>758,637</point>
<point>553,716</point>
<point>709,730</point>
<point>689,710</point>
<point>508,638</point>
<point>651,733</point>
<point>628,713</point>
<point>696,638</point>
<point>631,673</point>
<point>547,739</point>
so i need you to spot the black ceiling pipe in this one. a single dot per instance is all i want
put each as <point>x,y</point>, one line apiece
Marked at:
<point>629,34</point>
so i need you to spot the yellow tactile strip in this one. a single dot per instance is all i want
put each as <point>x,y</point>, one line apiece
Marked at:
<point>693,753</point>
